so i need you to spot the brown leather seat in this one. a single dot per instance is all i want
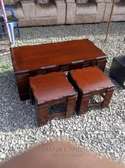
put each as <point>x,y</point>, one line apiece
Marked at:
<point>50,87</point>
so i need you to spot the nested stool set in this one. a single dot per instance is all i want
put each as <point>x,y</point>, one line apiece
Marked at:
<point>59,94</point>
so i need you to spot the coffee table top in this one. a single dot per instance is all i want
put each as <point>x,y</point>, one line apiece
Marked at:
<point>27,58</point>
<point>91,79</point>
<point>50,87</point>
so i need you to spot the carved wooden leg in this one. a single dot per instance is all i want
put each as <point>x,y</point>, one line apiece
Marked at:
<point>84,103</point>
<point>71,105</point>
<point>107,98</point>
<point>42,114</point>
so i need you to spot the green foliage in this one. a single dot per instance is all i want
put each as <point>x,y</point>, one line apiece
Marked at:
<point>5,67</point>
<point>8,2</point>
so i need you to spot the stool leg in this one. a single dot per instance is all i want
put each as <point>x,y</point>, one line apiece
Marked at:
<point>42,114</point>
<point>107,98</point>
<point>32,99</point>
<point>84,103</point>
<point>71,104</point>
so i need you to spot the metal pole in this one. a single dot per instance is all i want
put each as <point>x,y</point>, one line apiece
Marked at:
<point>109,22</point>
<point>6,20</point>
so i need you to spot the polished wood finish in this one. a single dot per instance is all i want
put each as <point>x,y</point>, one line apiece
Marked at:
<point>59,154</point>
<point>33,57</point>
<point>44,58</point>
<point>91,81</point>
<point>51,89</point>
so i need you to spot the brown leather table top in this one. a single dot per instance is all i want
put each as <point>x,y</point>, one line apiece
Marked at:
<point>91,79</point>
<point>59,155</point>
<point>33,57</point>
<point>51,87</point>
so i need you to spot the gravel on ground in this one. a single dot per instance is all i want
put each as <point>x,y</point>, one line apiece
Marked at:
<point>99,130</point>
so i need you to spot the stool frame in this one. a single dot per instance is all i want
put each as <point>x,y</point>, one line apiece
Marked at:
<point>42,110</point>
<point>84,98</point>
<point>105,93</point>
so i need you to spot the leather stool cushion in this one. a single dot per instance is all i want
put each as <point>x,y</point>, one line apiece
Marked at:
<point>50,87</point>
<point>91,79</point>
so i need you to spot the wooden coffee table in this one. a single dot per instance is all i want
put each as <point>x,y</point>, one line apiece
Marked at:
<point>62,56</point>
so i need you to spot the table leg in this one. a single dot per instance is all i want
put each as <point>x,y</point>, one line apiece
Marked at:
<point>71,105</point>
<point>107,98</point>
<point>42,114</point>
<point>84,103</point>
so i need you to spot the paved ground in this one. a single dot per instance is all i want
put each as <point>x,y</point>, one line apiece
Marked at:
<point>102,131</point>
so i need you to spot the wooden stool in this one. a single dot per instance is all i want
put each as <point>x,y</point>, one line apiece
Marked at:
<point>50,90</point>
<point>89,82</point>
